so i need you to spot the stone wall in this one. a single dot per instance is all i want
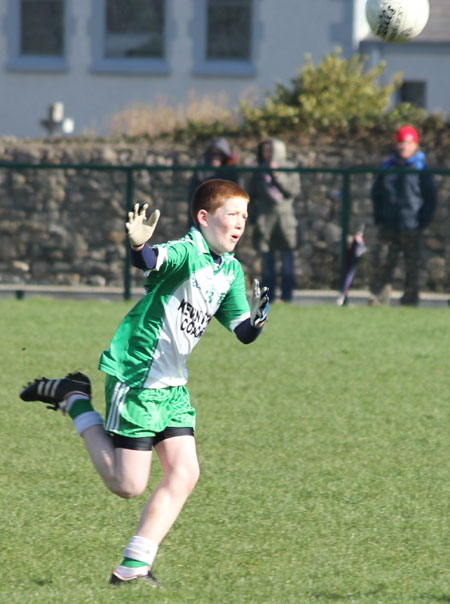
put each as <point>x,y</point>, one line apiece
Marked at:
<point>66,226</point>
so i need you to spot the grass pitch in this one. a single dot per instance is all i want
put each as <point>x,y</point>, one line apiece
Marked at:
<point>324,449</point>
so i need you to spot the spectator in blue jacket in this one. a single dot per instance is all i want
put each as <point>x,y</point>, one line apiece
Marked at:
<point>403,206</point>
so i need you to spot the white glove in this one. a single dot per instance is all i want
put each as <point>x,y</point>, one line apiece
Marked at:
<point>259,304</point>
<point>139,231</point>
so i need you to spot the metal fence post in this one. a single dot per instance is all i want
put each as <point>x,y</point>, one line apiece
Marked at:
<point>129,203</point>
<point>345,221</point>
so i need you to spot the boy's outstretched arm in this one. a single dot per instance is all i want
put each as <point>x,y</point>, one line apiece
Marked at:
<point>144,258</point>
<point>249,330</point>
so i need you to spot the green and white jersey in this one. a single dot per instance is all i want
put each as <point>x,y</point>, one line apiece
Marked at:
<point>184,291</point>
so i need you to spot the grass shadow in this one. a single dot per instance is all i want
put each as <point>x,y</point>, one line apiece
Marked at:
<point>42,582</point>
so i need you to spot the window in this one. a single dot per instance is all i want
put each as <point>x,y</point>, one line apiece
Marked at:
<point>225,34</point>
<point>42,27</point>
<point>134,29</point>
<point>414,93</point>
<point>229,30</point>
<point>130,36</point>
<point>37,35</point>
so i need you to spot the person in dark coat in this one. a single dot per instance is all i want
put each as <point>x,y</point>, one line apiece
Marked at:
<point>272,212</point>
<point>403,206</point>
<point>217,156</point>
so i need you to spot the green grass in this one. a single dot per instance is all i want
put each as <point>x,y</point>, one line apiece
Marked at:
<point>324,449</point>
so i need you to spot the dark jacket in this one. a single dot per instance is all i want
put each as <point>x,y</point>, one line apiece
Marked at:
<point>406,200</point>
<point>199,176</point>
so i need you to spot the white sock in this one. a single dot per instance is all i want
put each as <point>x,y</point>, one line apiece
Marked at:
<point>141,549</point>
<point>86,420</point>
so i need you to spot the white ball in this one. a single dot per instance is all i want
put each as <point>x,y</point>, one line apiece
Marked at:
<point>397,20</point>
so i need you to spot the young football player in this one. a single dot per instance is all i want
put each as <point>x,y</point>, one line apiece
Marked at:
<point>147,404</point>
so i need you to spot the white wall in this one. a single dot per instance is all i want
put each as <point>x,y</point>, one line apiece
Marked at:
<point>420,64</point>
<point>417,62</point>
<point>287,30</point>
<point>292,28</point>
<point>360,25</point>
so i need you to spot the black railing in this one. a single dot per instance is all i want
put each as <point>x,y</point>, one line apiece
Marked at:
<point>129,171</point>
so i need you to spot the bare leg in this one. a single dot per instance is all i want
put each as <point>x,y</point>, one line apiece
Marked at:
<point>178,457</point>
<point>125,472</point>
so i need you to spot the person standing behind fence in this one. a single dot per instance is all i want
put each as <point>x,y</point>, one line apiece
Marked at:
<point>218,155</point>
<point>273,214</point>
<point>403,206</point>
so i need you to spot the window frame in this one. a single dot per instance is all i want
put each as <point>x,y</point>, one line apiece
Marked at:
<point>18,62</point>
<point>126,66</point>
<point>222,67</point>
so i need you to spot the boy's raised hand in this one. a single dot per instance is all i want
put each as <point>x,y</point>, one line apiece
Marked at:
<point>259,304</point>
<point>138,229</point>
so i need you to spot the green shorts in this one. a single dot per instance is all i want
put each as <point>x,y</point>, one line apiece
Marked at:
<point>146,412</point>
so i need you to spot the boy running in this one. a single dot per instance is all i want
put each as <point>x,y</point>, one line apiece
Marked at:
<point>147,404</point>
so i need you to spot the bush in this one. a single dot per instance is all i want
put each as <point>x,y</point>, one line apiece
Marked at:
<point>206,116</point>
<point>338,95</point>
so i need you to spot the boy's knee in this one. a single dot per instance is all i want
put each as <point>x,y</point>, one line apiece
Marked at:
<point>185,478</point>
<point>191,478</point>
<point>126,490</point>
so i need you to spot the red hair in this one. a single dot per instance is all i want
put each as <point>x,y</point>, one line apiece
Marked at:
<point>212,194</point>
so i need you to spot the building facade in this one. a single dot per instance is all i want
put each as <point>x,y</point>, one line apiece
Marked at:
<point>96,57</point>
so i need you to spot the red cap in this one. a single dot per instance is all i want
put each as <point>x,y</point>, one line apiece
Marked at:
<point>407,133</point>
